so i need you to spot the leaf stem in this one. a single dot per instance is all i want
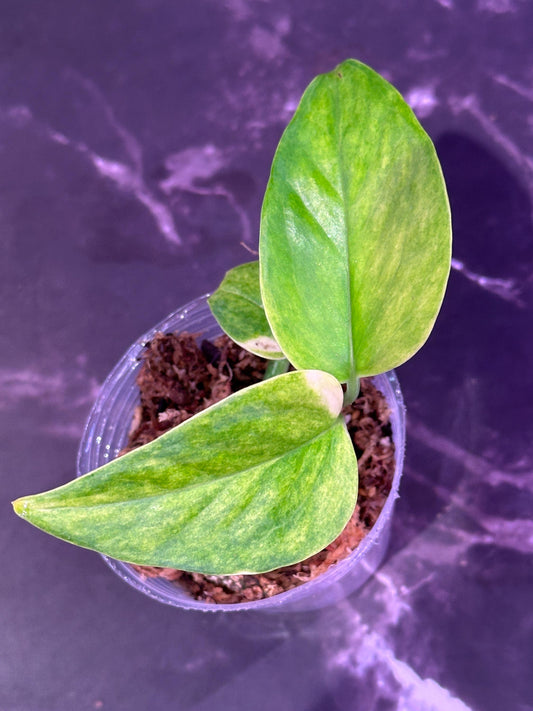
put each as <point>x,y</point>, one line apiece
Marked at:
<point>352,390</point>
<point>276,367</point>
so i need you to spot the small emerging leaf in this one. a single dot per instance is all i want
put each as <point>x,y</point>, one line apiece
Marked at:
<point>238,308</point>
<point>355,229</point>
<point>260,480</point>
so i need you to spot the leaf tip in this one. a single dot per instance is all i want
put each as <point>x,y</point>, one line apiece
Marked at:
<point>20,506</point>
<point>327,388</point>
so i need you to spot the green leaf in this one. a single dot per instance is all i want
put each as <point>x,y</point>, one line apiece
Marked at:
<point>355,229</point>
<point>260,480</point>
<point>238,308</point>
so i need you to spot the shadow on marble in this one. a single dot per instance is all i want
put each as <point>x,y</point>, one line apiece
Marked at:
<point>468,393</point>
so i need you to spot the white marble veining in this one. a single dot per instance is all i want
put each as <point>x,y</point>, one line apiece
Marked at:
<point>127,177</point>
<point>423,100</point>
<point>479,466</point>
<point>60,388</point>
<point>506,289</point>
<point>268,43</point>
<point>358,649</point>
<point>188,168</point>
<point>525,91</point>
<point>515,533</point>
<point>498,7</point>
<point>471,105</point>
<point>65,394</point>
<point>239,9</point>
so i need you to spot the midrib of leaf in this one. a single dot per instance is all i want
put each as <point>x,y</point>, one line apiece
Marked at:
<point>189,487</point>
<point>344,192</point>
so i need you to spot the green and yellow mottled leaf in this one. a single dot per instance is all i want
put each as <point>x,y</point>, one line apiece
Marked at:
<point>260,480</point>
<point>238,308</point>
<point>355,229</point>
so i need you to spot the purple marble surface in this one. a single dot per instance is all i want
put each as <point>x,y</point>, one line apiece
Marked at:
<point>135,144</point>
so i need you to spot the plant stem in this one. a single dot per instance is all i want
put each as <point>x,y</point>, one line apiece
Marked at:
<point>352,390</point>
<point>276,367</point>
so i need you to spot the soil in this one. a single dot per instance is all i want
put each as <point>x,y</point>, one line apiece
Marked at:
<point>178,378</point>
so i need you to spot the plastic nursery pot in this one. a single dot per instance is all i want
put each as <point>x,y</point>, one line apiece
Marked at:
<point>106,434</point>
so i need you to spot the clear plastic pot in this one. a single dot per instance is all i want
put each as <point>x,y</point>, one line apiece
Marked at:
<point>106,434</point>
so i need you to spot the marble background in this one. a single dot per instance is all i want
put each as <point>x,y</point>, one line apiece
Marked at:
<point>135,144</point>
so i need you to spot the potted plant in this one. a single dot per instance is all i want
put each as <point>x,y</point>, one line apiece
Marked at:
<point>354,258</point>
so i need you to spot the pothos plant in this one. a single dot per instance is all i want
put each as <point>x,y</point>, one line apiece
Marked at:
<point>354,257</point>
